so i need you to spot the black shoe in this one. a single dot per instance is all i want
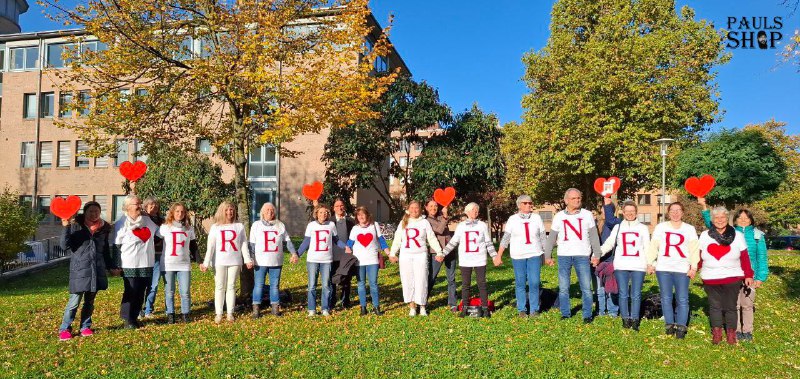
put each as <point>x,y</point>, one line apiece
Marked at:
<point>739,335</point>
<point>131,325</point>
<point>588,320</point>
<point>256,311</point>
<point>185,317</point>
<point>635,324</point>
<point>680,331</point>
<point>363,311</point>
<point>747,336</point>
<point>670,330</point>
<point>626,323</point>
<point>170,318</point>
<point>484,312</point>
<point>522,314</point>
<point>463,312</point>
<point>377,311</point>
<point>346,304</point>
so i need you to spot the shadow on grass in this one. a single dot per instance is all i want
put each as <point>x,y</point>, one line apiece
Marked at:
<point>791,279</point>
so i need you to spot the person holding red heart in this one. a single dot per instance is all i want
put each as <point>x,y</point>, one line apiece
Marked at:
<point>724,268</point>
<point>440,223</point>
<point>133,238</point>
<point>87,238</point>
<point>365,242</point>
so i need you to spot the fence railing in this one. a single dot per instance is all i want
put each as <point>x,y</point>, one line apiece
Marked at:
<point>36,252</point>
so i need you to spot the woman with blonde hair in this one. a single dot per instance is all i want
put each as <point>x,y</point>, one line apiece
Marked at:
<point>267,238</point>
<point>320,256</point>
<point>180,244</point>
<point>226,249</point>
<point>411,240</point>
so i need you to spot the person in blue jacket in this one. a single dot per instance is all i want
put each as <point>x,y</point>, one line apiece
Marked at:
<point>757,250</point>
<point>606,303</point>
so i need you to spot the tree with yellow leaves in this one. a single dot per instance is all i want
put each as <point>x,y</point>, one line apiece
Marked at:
<point>239,73</point>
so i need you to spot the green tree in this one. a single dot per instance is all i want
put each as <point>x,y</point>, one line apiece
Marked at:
<point>746,166</point>
<point>18,224</point>
<point>614,76</point>
<point>782,208</point>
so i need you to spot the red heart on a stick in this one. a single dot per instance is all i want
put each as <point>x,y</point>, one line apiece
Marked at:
<point>445,196</point>
<point>365,239</point>
<point>142,233</point>
<point>718,251</point>
<point>312,191</point>
<point>65,208</point>
<point>132,171</point>
<point>600,186</point>
<point>700,187</point>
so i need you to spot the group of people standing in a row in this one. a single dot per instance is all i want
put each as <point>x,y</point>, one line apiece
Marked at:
<point>732,261</point>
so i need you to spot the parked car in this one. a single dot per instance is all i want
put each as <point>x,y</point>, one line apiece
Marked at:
<point>783,243</point>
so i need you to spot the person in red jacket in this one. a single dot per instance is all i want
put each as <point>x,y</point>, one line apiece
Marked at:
<point>724,268</point>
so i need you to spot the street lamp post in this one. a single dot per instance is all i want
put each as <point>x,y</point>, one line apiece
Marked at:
<point>663,143</point>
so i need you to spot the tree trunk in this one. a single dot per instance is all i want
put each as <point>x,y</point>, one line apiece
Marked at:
<point>246,279</point>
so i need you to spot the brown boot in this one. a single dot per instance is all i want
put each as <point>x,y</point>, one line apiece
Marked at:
<point>716,335</point>
<point>731,336</point>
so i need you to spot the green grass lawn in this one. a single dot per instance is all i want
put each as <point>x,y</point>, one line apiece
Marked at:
<point>346,345</point>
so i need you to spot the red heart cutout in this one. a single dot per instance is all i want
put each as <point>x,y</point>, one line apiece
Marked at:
<point>718,251</point>
<point>132,171</point>
<point>312,191</point>
<point>65,208</point>
<point>445,196</point>
<point>700,187</point>
<point>365,239</point>
<point>600,186</point>
<point>142,233</point>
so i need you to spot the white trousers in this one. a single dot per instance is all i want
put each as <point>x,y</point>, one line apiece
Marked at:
<point>414,277</point>
<point>225,287</point>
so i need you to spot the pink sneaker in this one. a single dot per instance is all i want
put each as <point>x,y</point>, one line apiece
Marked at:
<point>87,332</point>
<point>65,335</point>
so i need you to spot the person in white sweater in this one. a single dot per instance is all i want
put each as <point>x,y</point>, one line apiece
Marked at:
<point>673,255</point>
<point>628,241</point>
<point>524,234</point>
<point>267,239</point>
<point>320,237</point>
<point>226,249</point>
<point>180,244</point>
<point>366,242</point>
<point>412,239</point>
<point>474,241</point>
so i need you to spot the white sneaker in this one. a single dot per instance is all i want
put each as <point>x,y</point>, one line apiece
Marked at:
<point>326,313</point>
<point>422,311</point>
<point>312,313</point>
<point>218,319</point>
<point>412,311</point>
<point>230,317</point>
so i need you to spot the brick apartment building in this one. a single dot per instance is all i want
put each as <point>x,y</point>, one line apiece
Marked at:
<point>41,161</point>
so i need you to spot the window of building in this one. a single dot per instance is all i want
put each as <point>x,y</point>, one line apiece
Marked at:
<point>60,55</point>
<point>64,153</point>
<point>27,154</point>
<point>381,64</point>
<point>85,101</point>
<point>643,199</point>
<point>29,105</point>
<point>94,46</point>
<point>644,218</point>
<point>101,162</point>
<point>46,154</point>
<point>139,154</point>
<point>25,58</point>
<point>43,209</point>
<point>402,146</point>
<point>122,152</point>
<point>263,162</point>
<point>81,160</point>
<point>48,104</point>
<point>103,201</point>
<point>26,201</point>
<point>118,210</point>
<point>2,57</point>
<point>204,145</point>
<point>546,215</point>
<point>64,104</point>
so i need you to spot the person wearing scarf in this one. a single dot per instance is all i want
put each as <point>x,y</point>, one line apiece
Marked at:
<point>134,235</point>
<point>412,240</point>
<point>524,233</point>
<point>87,238</point>
<point>724,268</point>
<point>267,238</point>
<point>474,241</point>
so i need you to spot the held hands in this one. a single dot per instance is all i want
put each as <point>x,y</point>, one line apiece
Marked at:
<point>203,268</point>
<point>757,284</point>
<point>691,273</point>
<point>439,258</point>
<point>497,260</point>
<point>249,265</point>
<point>393,259</point>
<point>294,259</point>
<point>595,261</point>
<point>348,250</point>
<point>550,262</point>
<point>749,282</point>
<point>650,269</point>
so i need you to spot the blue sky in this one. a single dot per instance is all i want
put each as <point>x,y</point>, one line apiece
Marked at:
<point>471,51</point>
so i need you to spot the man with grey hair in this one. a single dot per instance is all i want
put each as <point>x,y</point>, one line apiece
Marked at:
<point>575,233</point>
<point>524,233</point>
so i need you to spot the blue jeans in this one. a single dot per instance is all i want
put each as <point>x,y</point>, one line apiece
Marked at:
<point>72,308</point>
<point>184,280</point>
<point>667,281</point>
<point>324,271</point>
<point>261,273</point>
<point>450,263</point>
<point>584,272</point>
<point>528,270</point>
<point>635,279</point>
<point>369,272</point>
<point>153,287</point>
<point>605,301</point>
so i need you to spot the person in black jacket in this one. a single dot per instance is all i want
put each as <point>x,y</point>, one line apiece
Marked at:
<point>87,237</point>
<point>344,224</point>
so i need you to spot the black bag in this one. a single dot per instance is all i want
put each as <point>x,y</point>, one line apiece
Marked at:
<point>651,307</point>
